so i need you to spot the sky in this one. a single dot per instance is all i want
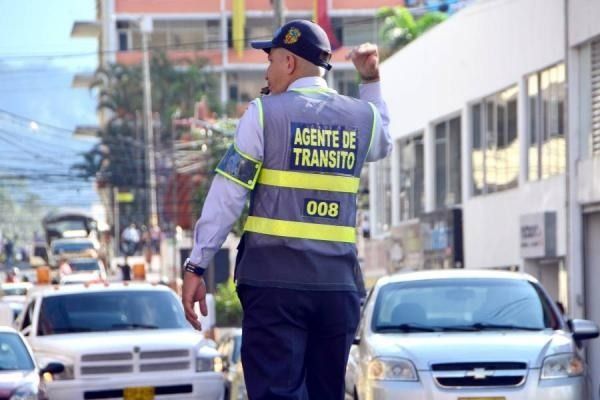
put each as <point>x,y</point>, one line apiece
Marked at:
<point>38,108</point>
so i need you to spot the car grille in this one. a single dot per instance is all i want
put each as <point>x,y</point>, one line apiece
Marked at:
<point>479,374</point>
<point>133,362</point>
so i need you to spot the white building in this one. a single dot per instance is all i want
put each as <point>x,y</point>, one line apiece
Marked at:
<point>490,118</point>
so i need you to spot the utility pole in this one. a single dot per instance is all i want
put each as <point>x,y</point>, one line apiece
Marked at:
<point>278,11</point>
<point>146,28</point>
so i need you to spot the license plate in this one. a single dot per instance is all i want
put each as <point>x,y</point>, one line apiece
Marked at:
<point>482,398</point>
<point>138,393</point>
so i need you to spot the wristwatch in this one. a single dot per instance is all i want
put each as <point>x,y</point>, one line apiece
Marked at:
<point>191,267</point>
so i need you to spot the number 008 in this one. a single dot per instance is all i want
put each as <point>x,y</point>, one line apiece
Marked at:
<point>323,208</point>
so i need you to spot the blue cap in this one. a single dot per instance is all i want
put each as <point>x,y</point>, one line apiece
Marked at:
<point>303,38</point>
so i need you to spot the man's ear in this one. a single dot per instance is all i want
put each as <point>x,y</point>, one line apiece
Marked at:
<point>291,63</point>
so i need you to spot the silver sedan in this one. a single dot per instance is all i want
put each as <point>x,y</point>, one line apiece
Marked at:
<point>467,335</point>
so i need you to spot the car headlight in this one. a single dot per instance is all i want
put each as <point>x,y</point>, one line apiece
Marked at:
<point>562,366</point>
<point>391,369</point>
<point>205,364</point>
<point>27,392</point>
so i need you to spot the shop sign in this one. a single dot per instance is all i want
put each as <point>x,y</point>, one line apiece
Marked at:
<point>538,235</point>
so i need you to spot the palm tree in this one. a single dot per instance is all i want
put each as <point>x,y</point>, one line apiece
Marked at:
<point>400,26</point>
<point>118,161</point>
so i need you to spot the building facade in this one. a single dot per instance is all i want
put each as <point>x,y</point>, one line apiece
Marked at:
<point>196,28</point>
<point>496,120</point>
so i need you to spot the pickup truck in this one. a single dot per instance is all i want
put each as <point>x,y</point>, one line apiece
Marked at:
<point>119,341</point>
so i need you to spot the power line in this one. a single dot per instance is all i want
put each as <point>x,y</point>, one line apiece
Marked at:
<point>21,117</point>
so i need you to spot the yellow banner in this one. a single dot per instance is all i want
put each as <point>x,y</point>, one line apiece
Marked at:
<point>238,17</point>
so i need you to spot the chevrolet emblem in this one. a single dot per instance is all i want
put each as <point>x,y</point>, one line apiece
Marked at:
<point>479,373</point>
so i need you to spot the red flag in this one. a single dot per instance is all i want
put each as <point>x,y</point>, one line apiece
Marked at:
<point>321,17</point>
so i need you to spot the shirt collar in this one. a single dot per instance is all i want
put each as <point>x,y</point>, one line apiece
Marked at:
<point>309,81</point>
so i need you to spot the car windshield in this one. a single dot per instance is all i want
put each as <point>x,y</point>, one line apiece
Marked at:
<point>110,311</point>
<point>14,291</point>
<point>462,305</point>
<point>13,353</point>
<point>72,247</point>
<point>84,266</point>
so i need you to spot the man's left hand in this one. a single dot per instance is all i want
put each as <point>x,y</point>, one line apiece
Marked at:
<point>366,61</point>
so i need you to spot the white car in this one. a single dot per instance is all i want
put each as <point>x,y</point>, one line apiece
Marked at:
<point>84,270</point>
<point>464,334</point>
<point>72,248</point>
<point>14,294</point>
<point>119,341</point>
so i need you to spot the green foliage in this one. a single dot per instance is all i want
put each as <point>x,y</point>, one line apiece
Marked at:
<point>227,305</point>
<point>120,91</point>
<point>400,27</point>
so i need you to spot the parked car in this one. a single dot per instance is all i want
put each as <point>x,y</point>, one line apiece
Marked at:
<point>19,376</point>
<point>85,270</point>
<point>463,334</point>
<point>72,248</point>
<point>15,294</point>
<point>229,347</point>
<point>119,340</point>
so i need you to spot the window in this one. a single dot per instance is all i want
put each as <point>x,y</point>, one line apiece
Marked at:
<point>346,83</point>
<point>412,177</point>
<point>110,311</point>
<point>123,32</point>
<point>383,196</point>
<point>447,163</point>
<point>495,148</point>
<point>358,30</point>
<point>446,303</point>
<point>546,123</point>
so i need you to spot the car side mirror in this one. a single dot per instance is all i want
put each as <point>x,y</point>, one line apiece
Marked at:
<point>583,329</point>
<point>226,364</point>
<point>53,368</point>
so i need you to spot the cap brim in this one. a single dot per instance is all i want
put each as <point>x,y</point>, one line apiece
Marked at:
<point>264,45</point>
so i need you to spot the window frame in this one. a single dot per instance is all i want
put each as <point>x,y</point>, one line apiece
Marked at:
<point>413,211</point>
<point>485,139</point>
<point>541,131</point>
<point>446,121</point>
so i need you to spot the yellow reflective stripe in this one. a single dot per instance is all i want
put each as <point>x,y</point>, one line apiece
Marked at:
<point>314,90</point>
<point>245,155</point>
<point>374,123</point>
<point>300,230</point>
<point>303,180</point>
<point>260,113</point>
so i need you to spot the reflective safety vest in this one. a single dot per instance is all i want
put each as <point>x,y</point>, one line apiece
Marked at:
<point>301,228</point>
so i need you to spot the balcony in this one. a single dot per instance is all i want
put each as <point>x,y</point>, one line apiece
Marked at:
<point>251,59</point>
<point>214,6</point>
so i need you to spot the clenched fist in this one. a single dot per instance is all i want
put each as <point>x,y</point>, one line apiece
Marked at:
<point>366,61</point>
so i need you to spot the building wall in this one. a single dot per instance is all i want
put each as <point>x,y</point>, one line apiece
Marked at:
<point>585,25</point>
<point>483,49</point>
<point>491,229</point>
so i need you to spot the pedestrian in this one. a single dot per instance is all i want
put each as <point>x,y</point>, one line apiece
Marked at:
<point>300,151</point>
<point>130,240</point>
<point>155,238</point>
<point>64,268</point>
<point>9,251</point>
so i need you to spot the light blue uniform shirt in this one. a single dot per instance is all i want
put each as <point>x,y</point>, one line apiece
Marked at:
<point>226,199</point>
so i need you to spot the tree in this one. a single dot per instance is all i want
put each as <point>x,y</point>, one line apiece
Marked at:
<point>400,26</point>
<point>118,161</point>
